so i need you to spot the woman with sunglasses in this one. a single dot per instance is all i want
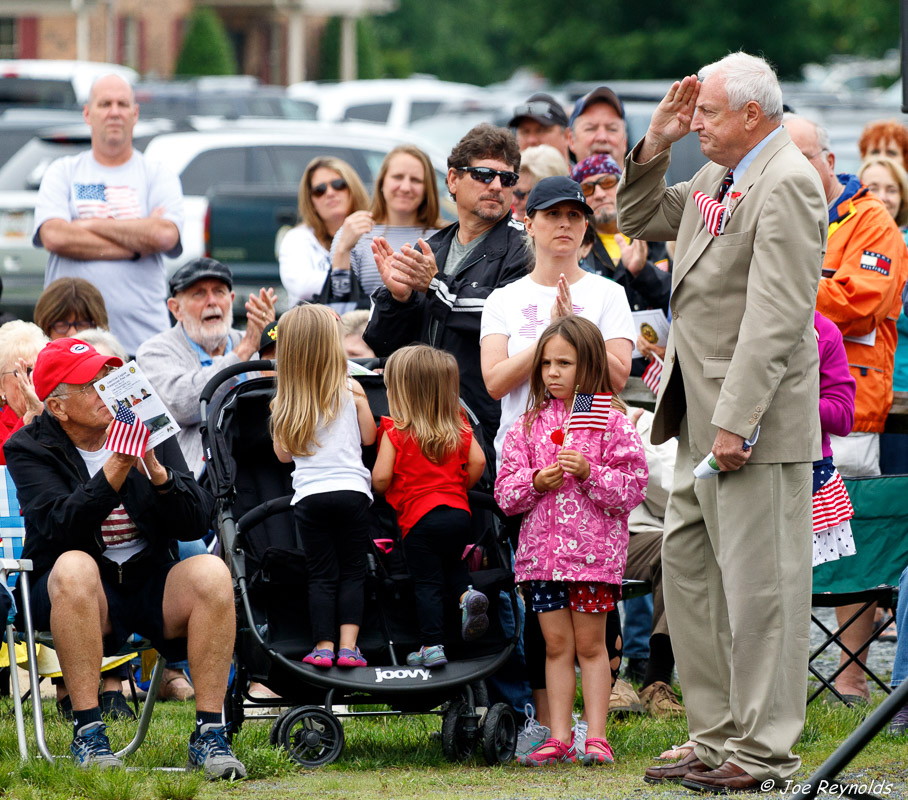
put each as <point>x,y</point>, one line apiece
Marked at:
<point>69,306</point>
<point>330,190</point>
<point>404,210</point>
<point>20,343</point>
<point>536,163</point>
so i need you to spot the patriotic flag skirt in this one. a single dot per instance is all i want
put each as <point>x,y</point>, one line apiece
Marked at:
<point>832,511</point>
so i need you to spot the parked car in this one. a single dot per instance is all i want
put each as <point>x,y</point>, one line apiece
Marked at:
<point>396,103</point>
<point>204,160</point>
<point>48,83</point>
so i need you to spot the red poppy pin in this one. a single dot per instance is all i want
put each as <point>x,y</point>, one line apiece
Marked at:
<point>557,437</point>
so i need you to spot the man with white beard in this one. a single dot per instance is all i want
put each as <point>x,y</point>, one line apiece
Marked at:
<point>181,360</point>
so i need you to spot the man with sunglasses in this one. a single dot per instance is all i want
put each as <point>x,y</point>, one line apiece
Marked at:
<point>102,531</point>
<point>434,292</point>
<point>541,120</point>
<point>109,216</point>
<point>642,268</point>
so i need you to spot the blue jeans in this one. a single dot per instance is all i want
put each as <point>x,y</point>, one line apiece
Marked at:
<point>900,664</point>
<point>637,626</point>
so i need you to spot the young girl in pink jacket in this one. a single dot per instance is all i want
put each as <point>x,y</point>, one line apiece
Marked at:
<point>575,486</point>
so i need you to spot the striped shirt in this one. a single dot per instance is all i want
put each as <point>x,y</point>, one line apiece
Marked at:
<point>362,262</point>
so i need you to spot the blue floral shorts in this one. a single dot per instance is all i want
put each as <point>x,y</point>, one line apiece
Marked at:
<point>585,596</point>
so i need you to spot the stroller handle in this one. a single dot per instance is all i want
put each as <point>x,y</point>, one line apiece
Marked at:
<point>228,372</point>
<point>267,509</point>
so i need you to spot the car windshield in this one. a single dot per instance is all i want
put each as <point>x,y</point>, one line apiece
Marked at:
<point>43,92</point>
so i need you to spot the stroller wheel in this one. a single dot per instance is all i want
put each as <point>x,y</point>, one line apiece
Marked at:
<point>459,731</point>
<point>312,736</point>
<point>275,734</point>
<point>499,734</point>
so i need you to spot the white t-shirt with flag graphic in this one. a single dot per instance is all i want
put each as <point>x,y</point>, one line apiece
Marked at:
<point>522,311</point>
<point>78,187</point>
<point>121,537</point>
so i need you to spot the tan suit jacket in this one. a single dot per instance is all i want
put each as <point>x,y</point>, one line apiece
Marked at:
<point>741,350</point>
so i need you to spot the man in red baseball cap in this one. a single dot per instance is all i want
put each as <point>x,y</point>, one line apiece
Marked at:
<point>102,534</point>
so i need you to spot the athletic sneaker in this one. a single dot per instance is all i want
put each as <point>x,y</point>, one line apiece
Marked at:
<point>210,752</point>
<point>91,748</point>
<point>433,656</point>
<point>551,751</point>
<point>579,733</point>
<point>474,621</point>
<point>533,733</point>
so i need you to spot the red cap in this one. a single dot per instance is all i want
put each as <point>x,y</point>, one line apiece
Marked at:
<point>68,361</point>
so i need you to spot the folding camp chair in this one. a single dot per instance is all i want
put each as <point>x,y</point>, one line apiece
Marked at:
<point>879,526</point>
<point>12,528</point>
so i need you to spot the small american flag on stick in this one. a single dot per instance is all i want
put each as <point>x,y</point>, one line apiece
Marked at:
<point>652,375</point>
<point>127,433</point>
<point>590,411</point>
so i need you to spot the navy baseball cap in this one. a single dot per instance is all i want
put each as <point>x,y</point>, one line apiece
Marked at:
<point>557,189</point>
<point>601,94</point>
<point>197,270</point>
<point>541,107</point>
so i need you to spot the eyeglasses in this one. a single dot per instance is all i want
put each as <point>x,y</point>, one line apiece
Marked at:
<point>605,181</point>
<point>519,194</point>
<point>28,371</point>
<point>83,390</point>
<point>63,327</point>
<point>814,155</point>
<point>338,184</point>
<point>486,175</point>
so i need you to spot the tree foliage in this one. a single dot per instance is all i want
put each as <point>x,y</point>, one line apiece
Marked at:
<point>481,42</point>
<point>368,57</point>
<point>206,47</point>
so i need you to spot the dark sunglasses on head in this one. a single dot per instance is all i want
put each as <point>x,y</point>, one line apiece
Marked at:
<point>605,181</point>
<point>338,184</point>
<point>63,327</point>
<point>535,108</point>
<point>487,175</point>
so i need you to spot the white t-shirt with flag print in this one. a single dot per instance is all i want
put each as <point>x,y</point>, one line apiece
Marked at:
<point>78,187</point>
<point>522,311</point>
<point>121,537</point>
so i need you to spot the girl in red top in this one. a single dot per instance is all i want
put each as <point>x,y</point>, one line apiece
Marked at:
<point>427,459</point>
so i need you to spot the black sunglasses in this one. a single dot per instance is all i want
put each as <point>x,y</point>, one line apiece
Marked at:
<point>338,184</point>
<point>487,175</point>
<point>519,194</point>
<point>606,181</point>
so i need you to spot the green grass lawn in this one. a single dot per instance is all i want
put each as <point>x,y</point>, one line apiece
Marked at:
<point>396,758</point>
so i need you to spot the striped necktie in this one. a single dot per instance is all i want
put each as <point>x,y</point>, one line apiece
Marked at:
<point>727,181</point>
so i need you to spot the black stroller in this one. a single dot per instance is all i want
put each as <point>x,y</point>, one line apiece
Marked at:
<point>259,542</point>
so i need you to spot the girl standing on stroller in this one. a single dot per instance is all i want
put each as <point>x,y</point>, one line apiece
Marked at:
<point>575,485</point>
<point>319,419</point>
<point>427,459</point>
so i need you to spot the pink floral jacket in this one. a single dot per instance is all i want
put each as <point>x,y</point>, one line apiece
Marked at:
<point>577,532</point>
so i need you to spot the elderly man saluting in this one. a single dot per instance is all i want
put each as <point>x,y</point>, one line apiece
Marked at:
<point>101,530</point>
<point>741,356</point>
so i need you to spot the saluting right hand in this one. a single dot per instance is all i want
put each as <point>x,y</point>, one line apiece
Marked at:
<point>673,116</point>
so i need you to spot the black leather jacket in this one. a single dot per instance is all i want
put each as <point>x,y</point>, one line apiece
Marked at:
<point>448,315</point>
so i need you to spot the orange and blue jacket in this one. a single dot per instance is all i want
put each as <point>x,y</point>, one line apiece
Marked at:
<point>865,268</point>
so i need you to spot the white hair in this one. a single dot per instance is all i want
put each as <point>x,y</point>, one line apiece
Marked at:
<point>104,342</point>
<point>543,161</point>
<point>19,339</point>
<point>748,78</point>
<point>822,133</point>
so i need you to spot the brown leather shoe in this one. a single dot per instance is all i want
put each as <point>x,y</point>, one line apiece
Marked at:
<point>624,700</point>
<point>674,773</point>
<point>727,778</point>
<point>659,700</point>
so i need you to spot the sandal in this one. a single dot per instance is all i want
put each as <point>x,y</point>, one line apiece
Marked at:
<point>350,658</point>
<point>320,658</point>
<point>677,751</point>
<point>551,751</point>
<point>176,687</point>
<point>600,754</point>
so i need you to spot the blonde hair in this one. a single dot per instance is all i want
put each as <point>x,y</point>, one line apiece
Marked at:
<point>543,161</point>
<point>897,173</point>
<point>311,377</point>
<point>592,364</point>
<point>359,197</point>
<point>427,213</point>
<point>423,398</point>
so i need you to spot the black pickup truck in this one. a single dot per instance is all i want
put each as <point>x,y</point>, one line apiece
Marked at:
<point>241,229</point>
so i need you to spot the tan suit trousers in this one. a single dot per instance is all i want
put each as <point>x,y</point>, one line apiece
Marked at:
<point>736,561</point>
